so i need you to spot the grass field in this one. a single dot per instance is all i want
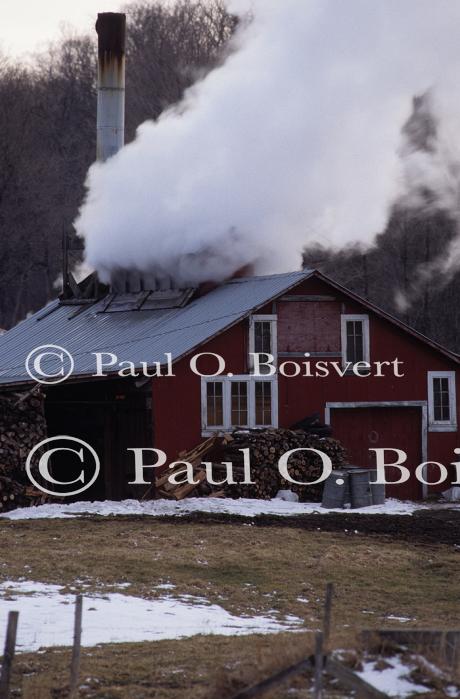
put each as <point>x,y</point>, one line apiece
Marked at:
<point>246,570</point>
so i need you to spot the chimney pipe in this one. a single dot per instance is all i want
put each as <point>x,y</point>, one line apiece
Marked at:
<point>111,31</point>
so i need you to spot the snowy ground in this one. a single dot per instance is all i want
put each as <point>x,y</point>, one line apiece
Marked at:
<point>244,507</point>
<point>46,617</point>
<point>394,680</point>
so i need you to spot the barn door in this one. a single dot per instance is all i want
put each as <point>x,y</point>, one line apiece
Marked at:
<point>129,426</point>
<point>362,429</point>
<point>111,416</point>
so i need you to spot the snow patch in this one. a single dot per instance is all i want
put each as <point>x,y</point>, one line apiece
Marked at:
<point>402,619</point>
<point>393,680</point>
<point>243,506</point>
<point>46,617</point>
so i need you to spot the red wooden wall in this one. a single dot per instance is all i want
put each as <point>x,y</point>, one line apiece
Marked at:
<point>315,327</point>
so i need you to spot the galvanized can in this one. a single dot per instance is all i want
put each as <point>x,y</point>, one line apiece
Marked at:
<point>360,487</point>
<point>336,490</point>
<point>377,489</point>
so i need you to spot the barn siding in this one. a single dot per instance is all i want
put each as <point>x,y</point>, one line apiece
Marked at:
<point>177,399</point>
<point>178,420</point>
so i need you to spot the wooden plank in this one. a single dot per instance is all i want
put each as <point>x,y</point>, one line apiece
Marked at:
<point>148,491</point>
<point>172,487</point>
<point>275,680</point>
<point>353,681</point>
<point>193,457</point>
<point>8,654</point>
<point>163,480</point>
<point>186,489</point>
<point>202,448</point>
<point>319,663</point>
<point>76,649</point>
<point>327,612</point>
<point>163,494</point>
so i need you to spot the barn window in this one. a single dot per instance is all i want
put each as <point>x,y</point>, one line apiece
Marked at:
<point>442,401</point>
<point>239,407</point>
<point>263,395</point>
<point>239,401</point>
<point>355,338</point>
<point>215,403</point>
<point>355,341</point>
<point>262,339</point>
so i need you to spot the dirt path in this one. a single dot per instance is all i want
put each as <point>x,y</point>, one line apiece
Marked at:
<point>424,526</point>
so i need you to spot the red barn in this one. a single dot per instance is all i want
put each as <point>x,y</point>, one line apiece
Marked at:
<point>377,382</point>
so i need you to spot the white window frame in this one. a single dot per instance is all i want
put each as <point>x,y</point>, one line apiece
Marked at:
<point>442,425</point>
<point>344,318</point>
<point>265,318</point>
<point>208,430</point>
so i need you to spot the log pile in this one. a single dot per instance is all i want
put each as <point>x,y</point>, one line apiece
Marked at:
<point>22,426</point>
<point>265,449</point>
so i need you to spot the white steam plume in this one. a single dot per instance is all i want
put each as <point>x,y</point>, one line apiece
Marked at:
<point>294,139</point>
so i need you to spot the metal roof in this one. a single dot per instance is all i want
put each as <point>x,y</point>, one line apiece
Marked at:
<point>137,335</point>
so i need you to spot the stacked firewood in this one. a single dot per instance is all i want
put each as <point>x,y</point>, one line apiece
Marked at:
<point>265,449</point>
<point>22,426</point>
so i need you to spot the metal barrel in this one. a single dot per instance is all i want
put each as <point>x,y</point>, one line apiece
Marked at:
<point>377,489</point>
<point>334,493</point>
<point>360,487</point>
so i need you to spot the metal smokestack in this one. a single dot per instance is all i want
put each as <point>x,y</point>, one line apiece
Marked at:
<point>111,31</point>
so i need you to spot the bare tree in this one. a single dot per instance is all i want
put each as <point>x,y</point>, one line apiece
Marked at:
<point>48,131</point>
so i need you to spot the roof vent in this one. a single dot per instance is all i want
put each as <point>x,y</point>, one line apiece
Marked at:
<point>147,300</point>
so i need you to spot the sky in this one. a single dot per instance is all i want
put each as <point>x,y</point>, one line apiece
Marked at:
<point>29,25</point>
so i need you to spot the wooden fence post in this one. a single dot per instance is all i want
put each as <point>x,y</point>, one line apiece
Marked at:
<point>327,613</point>
<point>75,664</point>
<point>8,655</point>
<point>318,690</point>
